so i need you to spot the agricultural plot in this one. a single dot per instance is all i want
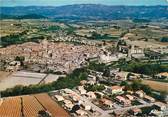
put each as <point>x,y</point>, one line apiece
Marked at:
<point>21,78</point>
<point>11,107</point>
<point>158,86</point>
<point>25,78</point>
<point>51,106</point>
<point>30,105</point>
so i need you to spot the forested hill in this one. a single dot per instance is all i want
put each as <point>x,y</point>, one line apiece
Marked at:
<point>90,11</point>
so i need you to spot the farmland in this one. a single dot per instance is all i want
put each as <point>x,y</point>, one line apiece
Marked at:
<point>51,106</point>
<point>29,106</point>
<point>25,78</point>
<point>158,86</point>
<point>11,107</point>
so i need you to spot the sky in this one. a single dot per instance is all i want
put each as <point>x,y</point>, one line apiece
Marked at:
<point>69,2</point>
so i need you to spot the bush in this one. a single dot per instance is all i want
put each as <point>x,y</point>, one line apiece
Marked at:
<point>95,87</point>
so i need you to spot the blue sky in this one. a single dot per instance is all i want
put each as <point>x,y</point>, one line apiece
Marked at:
<point>67,2</point>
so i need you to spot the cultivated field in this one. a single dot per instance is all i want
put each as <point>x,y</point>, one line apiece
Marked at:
<point>51,106</point>
<point>30,105</point>
<point>11,107</point>
<point>25,78</point>
<point>158,86</point>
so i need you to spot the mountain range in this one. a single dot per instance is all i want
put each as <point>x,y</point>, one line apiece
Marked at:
<point>85,11</point>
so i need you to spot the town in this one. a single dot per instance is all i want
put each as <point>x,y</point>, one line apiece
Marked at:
<point>83,68</point>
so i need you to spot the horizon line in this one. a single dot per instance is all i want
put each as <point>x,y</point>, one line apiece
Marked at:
<point>75,4</point>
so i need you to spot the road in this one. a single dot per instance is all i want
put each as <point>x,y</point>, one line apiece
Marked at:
<point>130,107</point>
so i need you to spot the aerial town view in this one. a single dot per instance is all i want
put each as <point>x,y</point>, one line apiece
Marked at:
<point>83,58</point>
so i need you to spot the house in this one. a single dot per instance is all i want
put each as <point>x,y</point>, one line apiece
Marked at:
<point>160,106</point>
<point>156,113</point>
<point>68,104</point>
<point>13,66</point>
<point>140,93</point>
<point>163,75</point>
<point>130,92</point>
<point>114,71</point>
<point>81,90</point>
<point>149,99</point>
<point>92,77</point>
<point>106,102</point>
<point>81,112</point>
<point>107,57</point>
<point>135,111</point>
<point>91,95</point>
<point>100,94</point>
<point>121,75</point>
<point>91,82</point>
<point>67,91</point>
<point>83,82</point>
<point>115,89</point>
<point>123,101</point>
<point>59,98</point>
<point>130,97</point>
<point>86,107</point>
<point>74,97</point>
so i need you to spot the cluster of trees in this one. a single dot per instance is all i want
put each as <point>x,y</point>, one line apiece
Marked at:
<point>164,39</point>
<point>143,68</point>
<point>18,39</point>
<point>21,59</point>
<point>141,20</point>
<point>28,16</point>
<point>12,39</point>
<point>97,66</point>
<point>97,36</point>
<point>96,87</point>
<point>70,81</point>
<point>52,28</point>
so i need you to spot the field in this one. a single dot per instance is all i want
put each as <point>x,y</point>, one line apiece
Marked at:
<point>158,86</point>
<point>3,75</point>
<point>24,78</point>
<point>51,106</point>
<point>30,106</point>
<point>11,107</point>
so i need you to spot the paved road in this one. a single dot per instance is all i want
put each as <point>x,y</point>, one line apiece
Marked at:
<point>130,107</point>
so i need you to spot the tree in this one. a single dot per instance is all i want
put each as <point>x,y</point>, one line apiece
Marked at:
<point>146,89</point>
<point>99,87</point>
<point>21,59</point>
<point>136,85</point>
<point>44,113</point>
<point>106,72</point>
<point>126,85</point>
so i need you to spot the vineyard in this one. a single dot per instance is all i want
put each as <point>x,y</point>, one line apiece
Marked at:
<point>29,106</point>
<point>51,106</point>
<point>11,107</point>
